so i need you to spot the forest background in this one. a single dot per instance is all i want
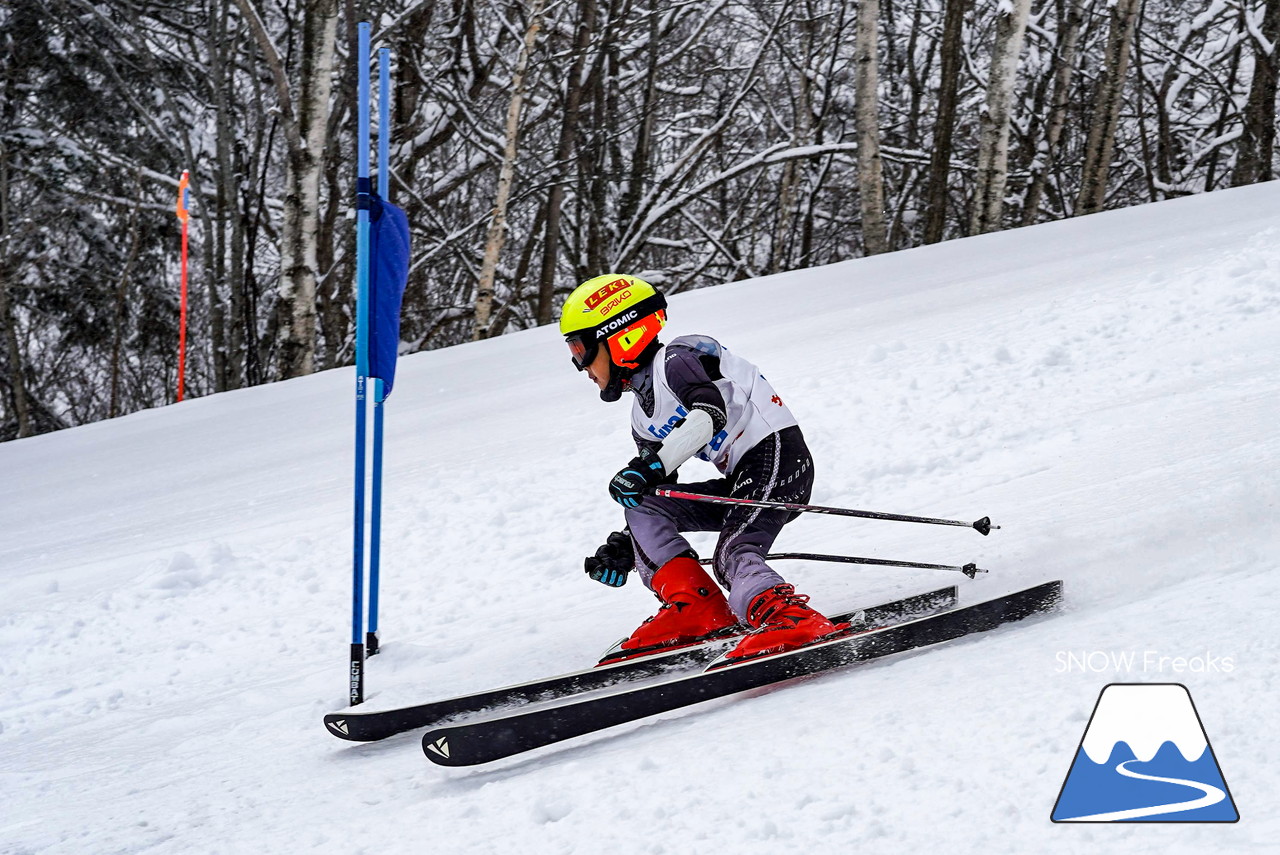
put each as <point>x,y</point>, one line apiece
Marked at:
<point>536,143</point>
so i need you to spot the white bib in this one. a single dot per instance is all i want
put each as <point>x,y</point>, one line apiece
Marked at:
<point>753,410</point>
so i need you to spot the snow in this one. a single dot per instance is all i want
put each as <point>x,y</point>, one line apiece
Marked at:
<point>177,584</point>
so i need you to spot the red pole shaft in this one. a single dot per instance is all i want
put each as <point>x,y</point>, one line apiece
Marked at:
<point>182,316</point>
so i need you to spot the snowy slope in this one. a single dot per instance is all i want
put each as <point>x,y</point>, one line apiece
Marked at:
<point>176,583</point>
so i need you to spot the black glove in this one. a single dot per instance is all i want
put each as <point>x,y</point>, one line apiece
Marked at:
<point>631,482</point>
<point>612,561</point>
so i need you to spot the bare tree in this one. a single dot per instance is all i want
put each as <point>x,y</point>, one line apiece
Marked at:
<point>1063,68</point>
<point>993,152</point>
<point>8,323</point>
<point>870,169</point>
<point>564,151</point>
<point>1106,113</point>
<point>1257,142</point>
<point>935,222</point>
<point>305,112</point>
<point>498,222</point>
<point>122,291</point>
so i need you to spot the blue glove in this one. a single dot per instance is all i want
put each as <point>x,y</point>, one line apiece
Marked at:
<point>612,561</point>
<point>628,487</point>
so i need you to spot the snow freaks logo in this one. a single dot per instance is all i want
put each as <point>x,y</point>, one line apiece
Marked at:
<point>1145,661</point>
<point>1145,757</point>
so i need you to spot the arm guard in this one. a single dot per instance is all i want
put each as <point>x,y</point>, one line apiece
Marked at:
<point>686,438</point>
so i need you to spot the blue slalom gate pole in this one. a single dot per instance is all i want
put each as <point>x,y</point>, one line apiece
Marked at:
<point>384,123</point>
<point>375,533</point>
<point>362,367</point>
<point>375,522</point>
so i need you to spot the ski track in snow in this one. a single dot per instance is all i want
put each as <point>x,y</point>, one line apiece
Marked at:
<point>177,582</point>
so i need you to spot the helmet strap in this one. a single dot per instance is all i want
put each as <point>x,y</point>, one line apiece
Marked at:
<point>617,380</point>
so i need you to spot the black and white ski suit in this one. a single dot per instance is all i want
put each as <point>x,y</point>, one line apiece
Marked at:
<point>756,444</point>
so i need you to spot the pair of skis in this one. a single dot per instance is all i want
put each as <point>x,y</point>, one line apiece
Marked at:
<point>360,726</point>
<point>571,705</point>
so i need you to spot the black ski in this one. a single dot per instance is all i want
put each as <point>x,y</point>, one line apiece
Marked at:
<point>492,739</point>
<point>359,726</point>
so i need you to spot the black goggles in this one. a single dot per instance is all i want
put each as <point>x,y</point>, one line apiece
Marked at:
<point>582,349</point>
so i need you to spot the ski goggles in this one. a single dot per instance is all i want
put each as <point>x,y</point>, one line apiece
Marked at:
<point>583,350</point>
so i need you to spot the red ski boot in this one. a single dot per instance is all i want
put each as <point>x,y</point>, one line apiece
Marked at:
<point>783,621</point>
<point>693,607</point>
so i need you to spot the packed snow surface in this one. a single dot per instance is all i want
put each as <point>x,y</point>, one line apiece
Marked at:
<point>176,584</point>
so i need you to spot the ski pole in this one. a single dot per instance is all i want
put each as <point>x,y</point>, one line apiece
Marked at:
<point>983,525</point>
<point>970,570</point>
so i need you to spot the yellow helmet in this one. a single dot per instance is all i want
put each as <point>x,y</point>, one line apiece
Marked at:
<point>624,312</point>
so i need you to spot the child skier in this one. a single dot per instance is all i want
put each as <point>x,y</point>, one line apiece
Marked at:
<point>693,398</point>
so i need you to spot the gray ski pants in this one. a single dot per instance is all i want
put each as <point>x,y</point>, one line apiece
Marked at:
<point>779,468</point>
